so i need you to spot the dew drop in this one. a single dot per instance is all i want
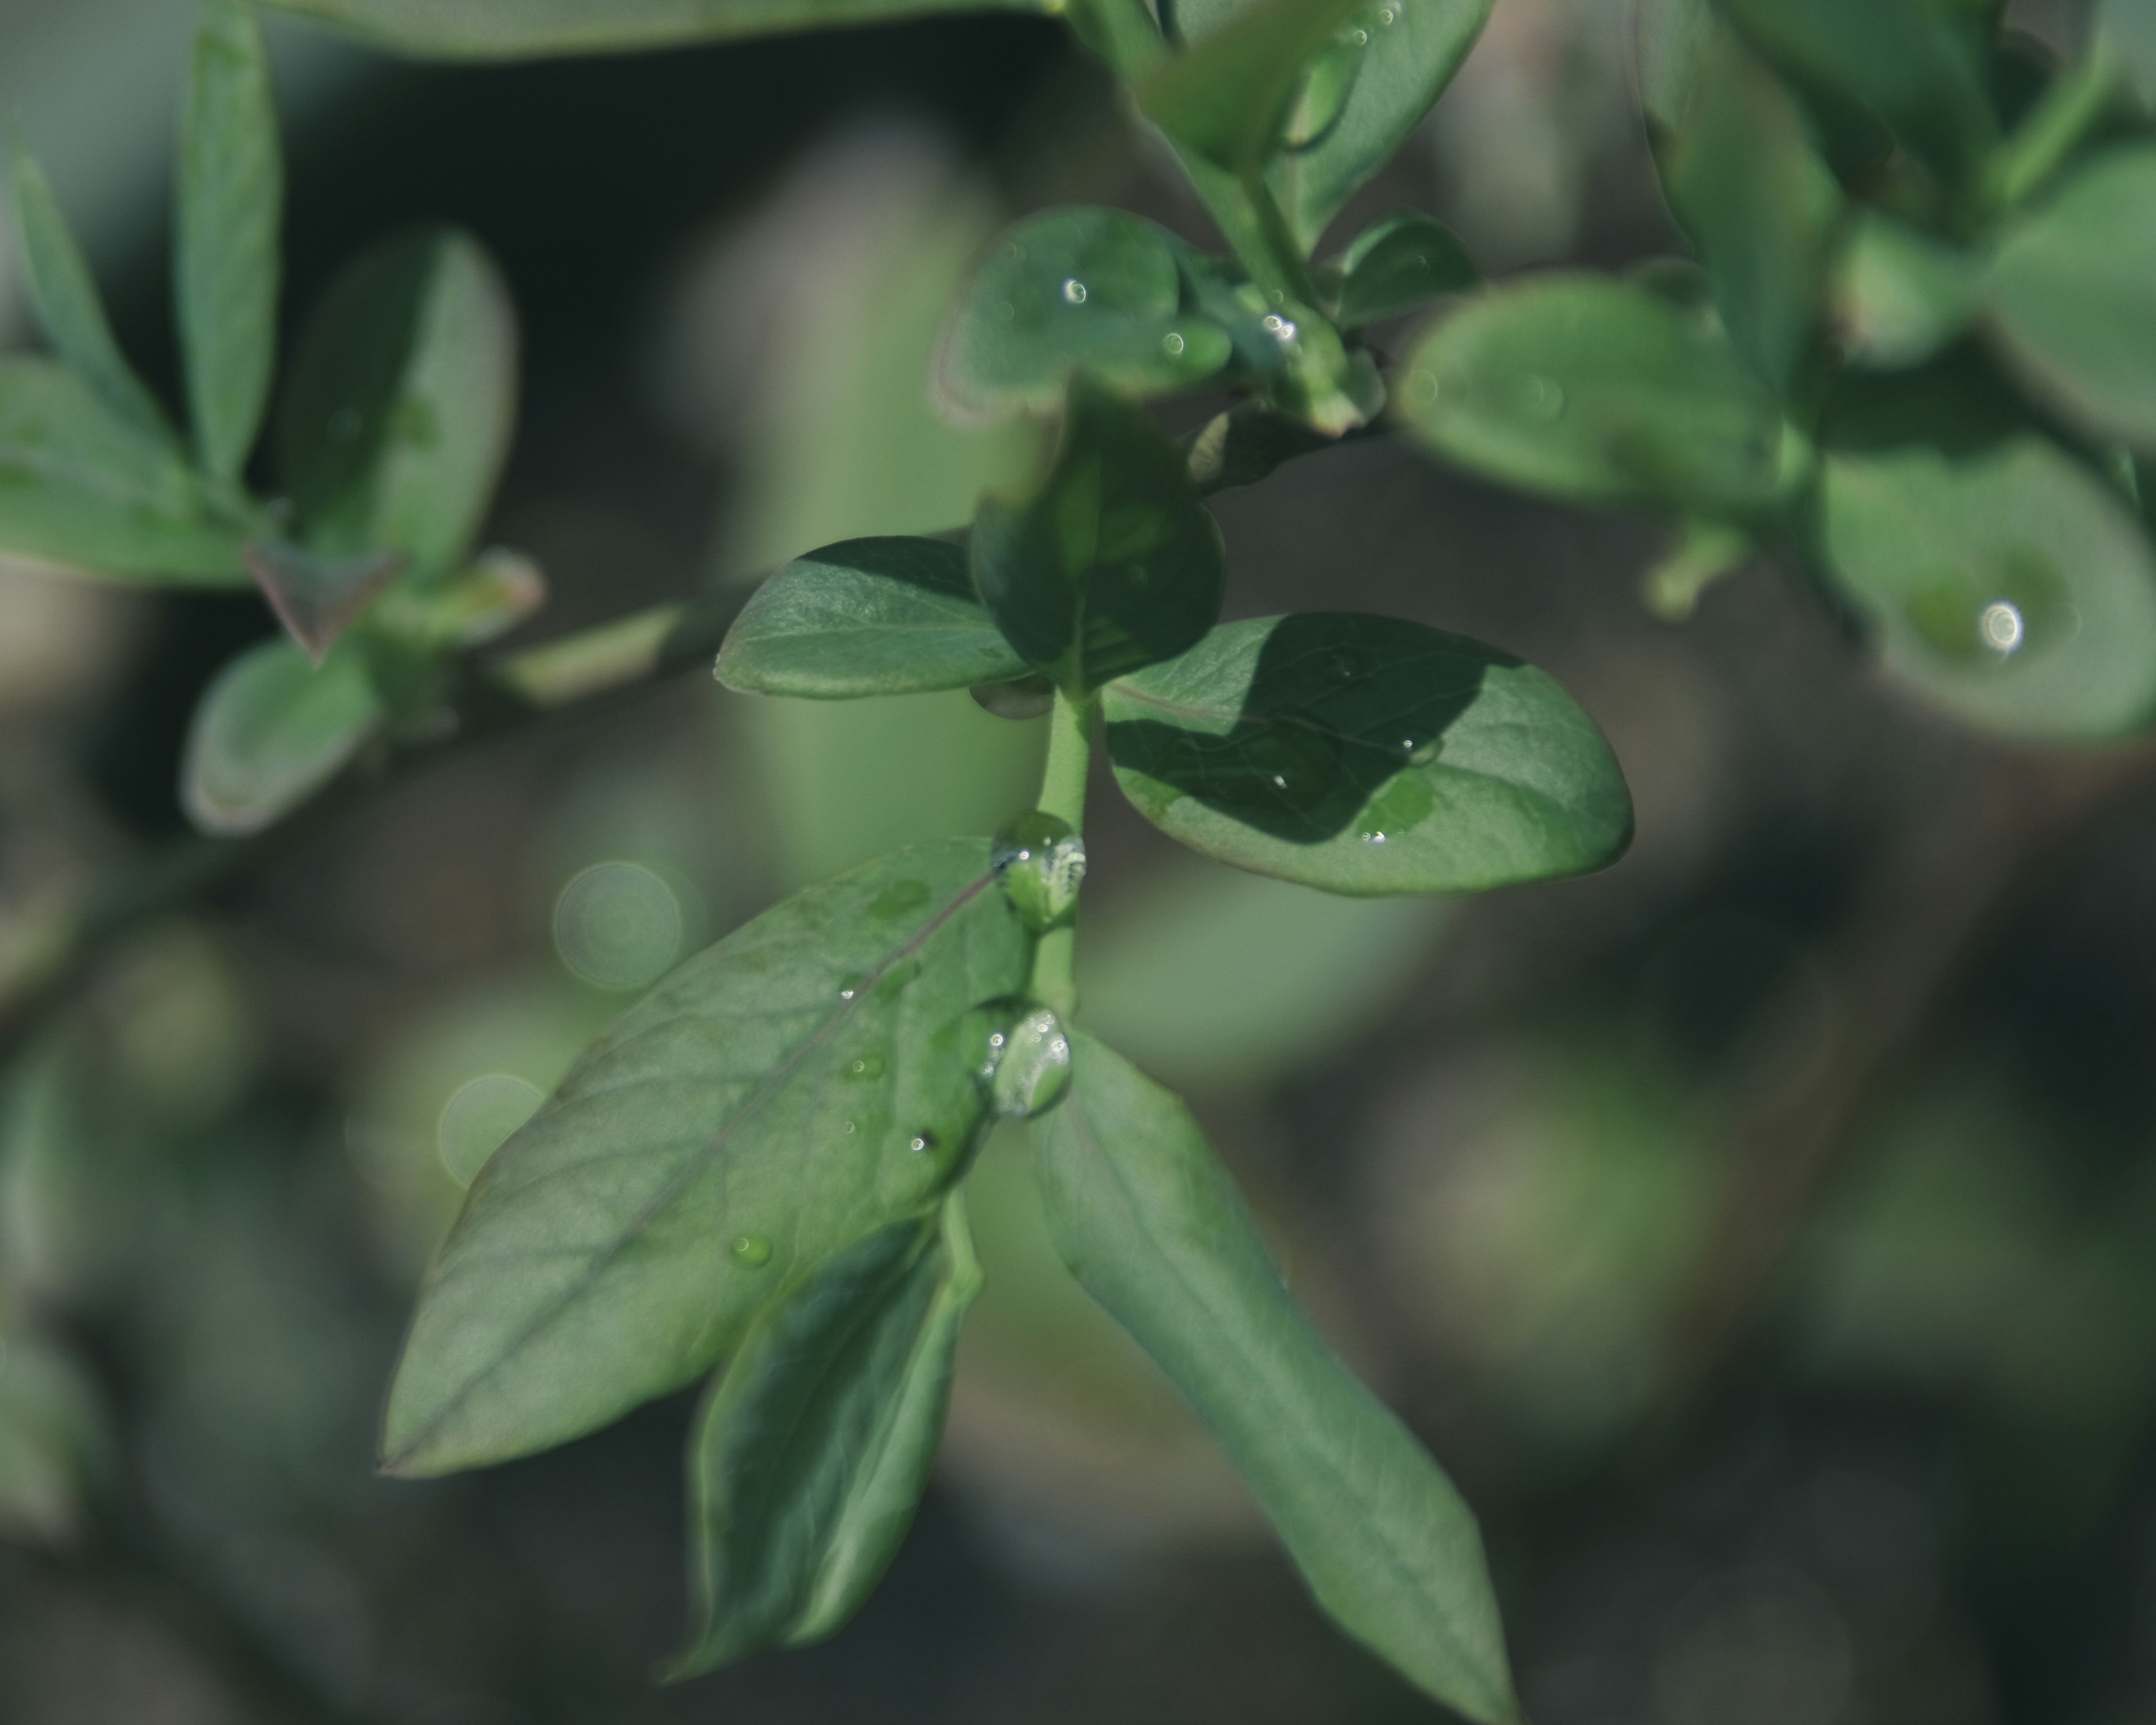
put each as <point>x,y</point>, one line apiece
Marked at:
<point>919,1146</point>
<point>1422,386</point>
<point>847,994</point>
<point>1073,292</point>
<point>851,1127</point>
<point>868,1067</point>
<point>1387,15</point>
<point>2002,628</point>
<point>1041,863</point>
<point>1541,398</point>
<point>1280,328</point>
<point>753,1251</point>
<point>1171,344</point>
<point>1032,1069</point>
<point>1005,311</point>
<point>1360,38</point>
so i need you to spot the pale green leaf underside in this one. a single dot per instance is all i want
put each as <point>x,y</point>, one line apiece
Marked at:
<point>1153,1226</point>
<point>768,1094</point>
<point>1366,755</point>
<point>814,1445</point>
<point>867,616</point>
<point>2014,589</point>
<point>82,488</point>
<point>270,732</point>
<point>511,29</point>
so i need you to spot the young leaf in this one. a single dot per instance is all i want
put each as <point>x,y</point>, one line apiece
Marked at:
<point>1114,564</point>
<point>397,416</point>
<point>1897,296</point>
<point>1291,352</point>
<point>1398,265</point>
<point>1758,202</point>
<point>816,1443</point>
<point>1227,95</point>
<point>521,29</point>
<point>1153,1227</point>
<point>868,617</point>
<point>2072,297</point>
<point>1901,58</point>
<point>2014,588</point>
<point>269,732</point>
<point>226,260</point>
<point>66,298</point>
<point>1596,391</point>
<point>1072,291</point>
<point>1367,756</point>
<point>782,1096</point>
<point>81,488</point>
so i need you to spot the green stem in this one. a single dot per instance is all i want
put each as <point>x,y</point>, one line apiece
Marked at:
<point>2065,116</point>
<point>1063,795</point>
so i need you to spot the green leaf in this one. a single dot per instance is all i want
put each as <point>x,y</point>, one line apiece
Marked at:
<point>1114,564</point>
<point>868,617</point>
<point>1670,39</point>
<point>318,598</point>
<point>66,298</point>
<point>2072,297</point>
<point>2013,588</point>
<point>1398,265</point>
<point>1367,756</point>
<point>272,729</point>
<point>2130,26</point>
<point>81,488</point>
<point>1901,59</point>
<point>758,1112</point>
<point>1227,95</point>
<point>1392,80</point>
<point>1898,296</point>
<point>1596,392</point>
<point>1075,290</point>
<point>397,416</point>
<point>815,1445</point>
<point>55,1442</point>
<point>1152,1226</point>
<point>519,29</point>
<point>1758,202</point>
<point>226,260</point>
<point>1291,353</point>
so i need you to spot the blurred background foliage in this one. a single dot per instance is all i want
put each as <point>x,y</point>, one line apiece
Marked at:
<point>1764,1231</point>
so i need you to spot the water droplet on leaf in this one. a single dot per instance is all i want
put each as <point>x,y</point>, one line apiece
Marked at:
<point>1033,1068</point>
<point>1073,292</point>
<point>1172,344</point>
<point>2002,628</point>
<point>752,1251</point>
<point>1040,864</point>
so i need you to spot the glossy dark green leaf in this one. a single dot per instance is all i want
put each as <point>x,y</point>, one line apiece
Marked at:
<point>519,29</point>
<point>1899,297</point>
<point>1366,755</point>
<point>779,1097</point>
<point>1092,291</point>
<point>1398,265</point>
<point>1152,1226</point>
<point>1227,95</point>
<point>2012,588</point>
<point>1113,563</point>
<point>2072,297</point>
<point>1758,202</point>
<point>81,488</point>
<point>272,729</point>
<point>226,264</point>
<point>66,298</point>
<point>867,616</point>
<point>816,1443</point>
<point>1596,391</point>
<point>1903,59</point>
<point>397,416</point>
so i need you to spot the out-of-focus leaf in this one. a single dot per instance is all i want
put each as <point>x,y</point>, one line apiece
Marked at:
<point>1902,59</point>
<point>53,1443</point>
<point>1228,94</point>
<point>1072,290</point>
<point>272,729</point>
<point>81,488</point>
<point>2072,297</point>
<point>815,1445</point>
<point>1218,979</point>
<point>521,29</point>
<point>1113,563</point>
<point>1152,1226</point>
<point>317,597</point>
<point>1367,756</point>
<point>1757,201</point>
<point>778,1098</point>
<point>1398,265</point>
<point>2013,588</point>
<point>1702,553</point>
<point>1671,37</point>
<point>1596,392</point>
<point>2130,25</point>
<point>226,258</point>
<point>397,414</point>
<point>66,297</point>
<point>867,616</point>
<point>1898,296</point>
